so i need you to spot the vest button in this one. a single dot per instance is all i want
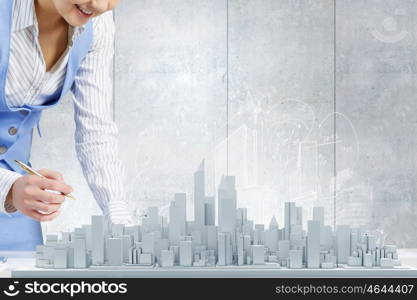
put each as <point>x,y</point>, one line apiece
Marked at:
<point>24,112</point>
<point>12,130</point>
<point>3,149</point>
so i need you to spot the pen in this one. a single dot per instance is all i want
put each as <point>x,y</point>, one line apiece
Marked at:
<point>33,172</point>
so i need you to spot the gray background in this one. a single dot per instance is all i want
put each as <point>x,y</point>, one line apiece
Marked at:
<point>270,91</point>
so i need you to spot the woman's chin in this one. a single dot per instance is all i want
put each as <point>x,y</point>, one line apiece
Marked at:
<point>75,20</point>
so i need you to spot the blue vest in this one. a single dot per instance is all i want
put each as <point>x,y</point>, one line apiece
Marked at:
<point>17,231</point>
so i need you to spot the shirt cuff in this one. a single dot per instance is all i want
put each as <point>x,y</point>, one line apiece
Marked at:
<point>116,212</point>
<point>7,179</point>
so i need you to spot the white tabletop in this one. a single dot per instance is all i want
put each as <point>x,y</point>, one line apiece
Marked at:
<point>26,261</point>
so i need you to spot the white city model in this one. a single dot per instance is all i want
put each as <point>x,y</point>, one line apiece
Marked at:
<point>235,247</point>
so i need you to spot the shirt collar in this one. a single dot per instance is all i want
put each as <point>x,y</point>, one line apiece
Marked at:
<point>24,16</point>
<point>77,31</point>
<point>74,33</point>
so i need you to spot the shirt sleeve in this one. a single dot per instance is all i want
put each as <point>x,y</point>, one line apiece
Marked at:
<point>7,178</point>
<point>96,133</point>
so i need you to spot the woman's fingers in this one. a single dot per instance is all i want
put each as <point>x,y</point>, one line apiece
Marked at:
<point>33,192</point>
<point>43,217</point>
<point>41,206</point>
<point>51,174</point>
<point>51,184</point>
<point>48,197</point>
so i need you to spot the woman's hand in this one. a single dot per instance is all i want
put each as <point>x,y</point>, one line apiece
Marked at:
<point>28,195</point>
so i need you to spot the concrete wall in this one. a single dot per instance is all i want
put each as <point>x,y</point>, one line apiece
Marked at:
<point>281,119</point>
<point>376,91</point>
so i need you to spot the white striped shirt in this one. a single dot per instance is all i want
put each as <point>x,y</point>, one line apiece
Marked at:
<point>96,132</point>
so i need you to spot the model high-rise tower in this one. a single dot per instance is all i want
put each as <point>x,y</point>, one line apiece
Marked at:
<point>227,204</point>
<point>199,198</point>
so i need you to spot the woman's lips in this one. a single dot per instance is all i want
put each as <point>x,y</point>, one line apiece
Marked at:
<point>83,12</point>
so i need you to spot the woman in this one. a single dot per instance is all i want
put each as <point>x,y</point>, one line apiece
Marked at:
<point>48,48</point>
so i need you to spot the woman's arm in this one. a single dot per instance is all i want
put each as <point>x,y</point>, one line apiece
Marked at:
<point>7,178</point>
<point>96,132</point>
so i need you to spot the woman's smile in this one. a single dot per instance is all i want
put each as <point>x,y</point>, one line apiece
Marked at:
<point>83,12</point>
